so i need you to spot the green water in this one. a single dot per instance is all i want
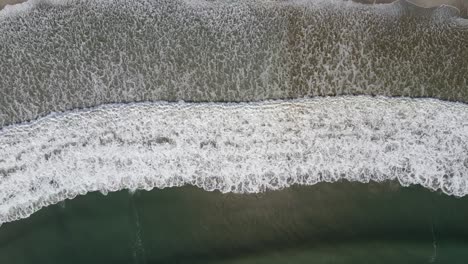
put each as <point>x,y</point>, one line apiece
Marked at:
<point>325,223</point>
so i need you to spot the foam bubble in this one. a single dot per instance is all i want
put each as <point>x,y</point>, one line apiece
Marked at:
<point>242,148</point>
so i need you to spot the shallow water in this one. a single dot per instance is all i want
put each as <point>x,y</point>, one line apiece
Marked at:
<point>327,223</point>
<point>58,56</point>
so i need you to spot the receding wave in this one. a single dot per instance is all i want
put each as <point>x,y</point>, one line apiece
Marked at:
<point>63,55</point>
<point>242,148</point>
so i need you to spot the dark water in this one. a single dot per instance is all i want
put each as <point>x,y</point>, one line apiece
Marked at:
<point>326,223</point>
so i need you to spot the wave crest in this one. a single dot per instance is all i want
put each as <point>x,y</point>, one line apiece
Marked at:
<point>243,148</point>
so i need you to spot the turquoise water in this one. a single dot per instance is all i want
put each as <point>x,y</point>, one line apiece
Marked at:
<point>326,223</point>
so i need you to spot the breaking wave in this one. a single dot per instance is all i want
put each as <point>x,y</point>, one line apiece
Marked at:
<point>242,148</point>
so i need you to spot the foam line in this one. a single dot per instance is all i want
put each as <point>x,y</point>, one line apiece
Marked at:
<point>241,148</point>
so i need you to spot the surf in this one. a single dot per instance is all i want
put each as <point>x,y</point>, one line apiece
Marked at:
<point>233,147</point>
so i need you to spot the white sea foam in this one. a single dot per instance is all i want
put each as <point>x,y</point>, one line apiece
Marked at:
<point>242,148</point>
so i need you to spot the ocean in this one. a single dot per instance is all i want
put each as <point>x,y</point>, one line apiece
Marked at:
<point>325,223</point>
<point>196,131</point>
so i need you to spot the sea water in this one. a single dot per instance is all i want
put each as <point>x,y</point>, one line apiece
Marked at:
<point>261,131</point>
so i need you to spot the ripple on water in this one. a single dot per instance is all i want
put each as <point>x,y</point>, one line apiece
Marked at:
<point>76,54</point>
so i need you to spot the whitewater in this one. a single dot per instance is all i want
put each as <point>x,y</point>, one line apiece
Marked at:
<point>232,147</point>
